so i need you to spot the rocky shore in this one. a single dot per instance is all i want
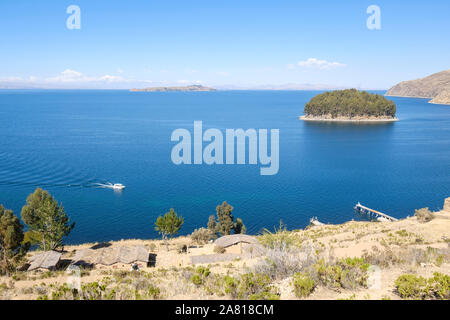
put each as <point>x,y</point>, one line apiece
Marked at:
<point>329,118</point>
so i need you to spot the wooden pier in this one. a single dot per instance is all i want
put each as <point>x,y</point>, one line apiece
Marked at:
<point>374,213</point>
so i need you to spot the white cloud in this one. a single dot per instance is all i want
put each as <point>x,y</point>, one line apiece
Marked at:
<point>110,78</point>
<point>315,63</point>
<point>190,71</point>
<point>67,75</point>
<point>188,81</point>
<point>73,76</point>
<point>71,79</point>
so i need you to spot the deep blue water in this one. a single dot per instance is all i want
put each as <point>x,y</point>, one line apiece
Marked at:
<point>65,141</point>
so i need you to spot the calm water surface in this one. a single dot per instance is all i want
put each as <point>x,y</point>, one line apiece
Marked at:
<point>67,141</point>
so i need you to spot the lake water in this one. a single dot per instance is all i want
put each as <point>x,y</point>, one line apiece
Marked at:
<point>66,141</point>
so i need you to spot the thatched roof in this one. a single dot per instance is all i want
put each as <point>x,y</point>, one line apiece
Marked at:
<point>111,255</point>
<point>233,239</point>
<point>45,260</point>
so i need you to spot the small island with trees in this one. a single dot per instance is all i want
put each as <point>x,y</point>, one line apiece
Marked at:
<point>349,105</point>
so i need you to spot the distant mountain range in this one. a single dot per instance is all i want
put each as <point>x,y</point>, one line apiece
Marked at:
<point>435,87</point>
<point>171,89</point>
<point>287,86</point>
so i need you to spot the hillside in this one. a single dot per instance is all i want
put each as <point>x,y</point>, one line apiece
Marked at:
<point>171,89</point>
<point>354,260</point>
<point>349,105</point>
<point>435,87</point>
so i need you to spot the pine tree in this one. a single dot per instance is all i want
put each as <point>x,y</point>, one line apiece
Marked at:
<point>11,237</point>
<point>224,219</point>
<point>168,225</point>
<point>212,228</point>
<point>46,219</point>
<point>239,226</point>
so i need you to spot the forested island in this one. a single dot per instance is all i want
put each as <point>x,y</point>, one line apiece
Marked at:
<point>349,105</point>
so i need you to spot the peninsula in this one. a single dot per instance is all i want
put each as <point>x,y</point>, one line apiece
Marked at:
<point>349,105</point>
<point>174,89</point>
<point>435,87</point>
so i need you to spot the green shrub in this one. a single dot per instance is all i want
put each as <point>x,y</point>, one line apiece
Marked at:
<point>129,287</point>
<point>154,292</point>
<point>439,286</point>
<point>219,249</point>
<point>201,273</point>
<point>255,286</point>
<point>197,279</point>
<point>424,215</point>
<point>249,286</point>
<point>348,273</point>
<point>201,236</point>
<point>303,285</point>
<point>410,286</point>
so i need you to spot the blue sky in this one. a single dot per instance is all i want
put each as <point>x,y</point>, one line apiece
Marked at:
<point>123,44</point>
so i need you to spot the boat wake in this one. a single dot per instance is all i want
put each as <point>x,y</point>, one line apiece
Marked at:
<point>115,186</point>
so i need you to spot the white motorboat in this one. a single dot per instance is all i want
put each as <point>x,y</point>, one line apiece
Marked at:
<point>118,186</point>
<point>115,186</point>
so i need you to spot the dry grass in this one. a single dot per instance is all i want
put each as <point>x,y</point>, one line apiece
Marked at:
<point>407,246</point>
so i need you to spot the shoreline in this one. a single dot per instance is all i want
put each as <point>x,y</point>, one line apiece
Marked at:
<point>170,274</point>
<point>425,98</point>
<point>341,119</point>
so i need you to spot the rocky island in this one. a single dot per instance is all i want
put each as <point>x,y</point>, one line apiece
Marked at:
<point>435,87</point>
<point>349,105</point>
<point>174,89</point>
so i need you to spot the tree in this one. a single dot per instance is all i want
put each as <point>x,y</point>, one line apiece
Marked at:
<point>239,226</point>
<point>201,236</point>
<point>168,225</point>
<point>224,219</point>
<point>212,228</point>
<point>46,219</point>
<point>11,237</point>
<point>350,103</point>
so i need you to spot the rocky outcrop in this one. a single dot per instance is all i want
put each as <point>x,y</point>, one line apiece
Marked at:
<point>442,98</point>
<point>435,87</point>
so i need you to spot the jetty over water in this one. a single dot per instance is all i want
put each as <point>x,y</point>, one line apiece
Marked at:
<point>374,213</point>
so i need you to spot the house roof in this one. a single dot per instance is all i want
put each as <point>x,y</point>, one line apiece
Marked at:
<point>233,239</point>
<point>45,260</point>
<point>109,256</point>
